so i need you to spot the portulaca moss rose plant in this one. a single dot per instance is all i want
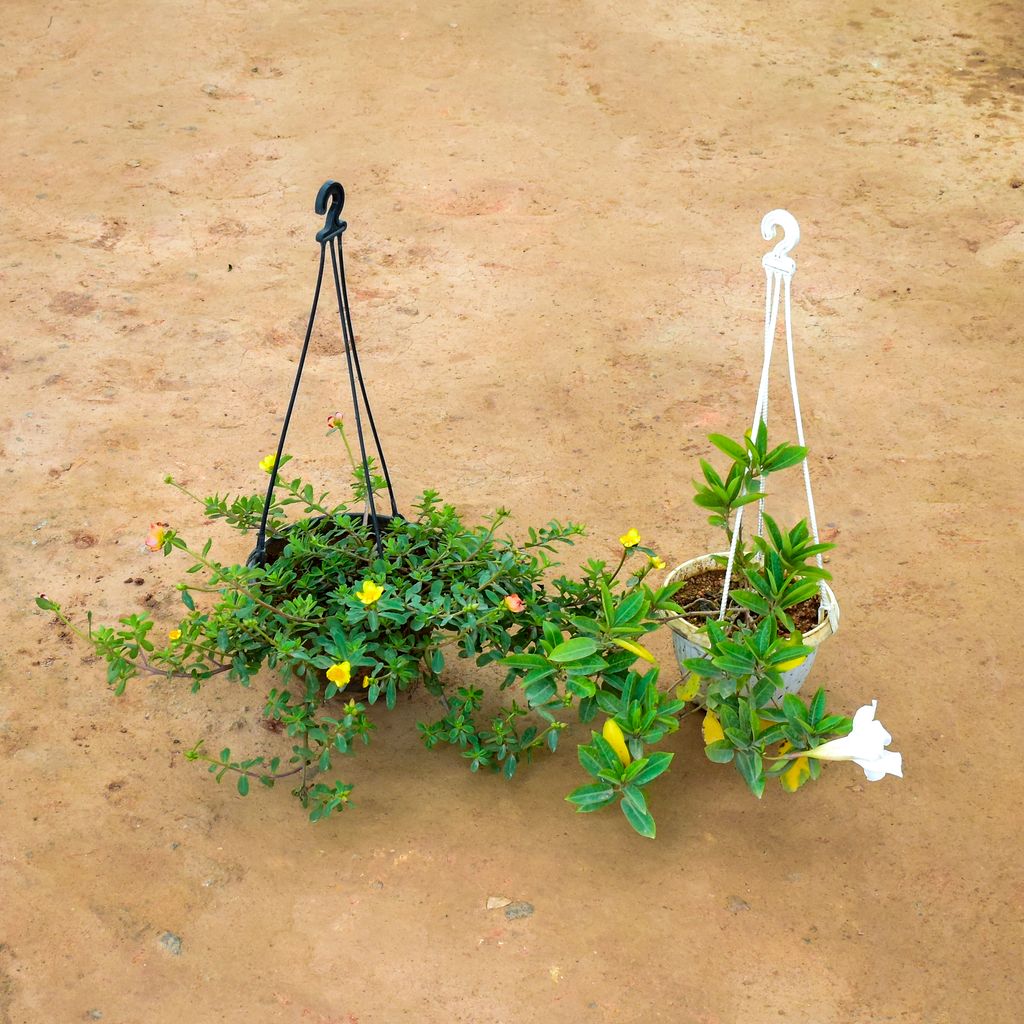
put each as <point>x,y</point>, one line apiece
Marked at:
<point>346,627</point>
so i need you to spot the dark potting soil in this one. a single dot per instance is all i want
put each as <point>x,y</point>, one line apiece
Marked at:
<point>703,593</point>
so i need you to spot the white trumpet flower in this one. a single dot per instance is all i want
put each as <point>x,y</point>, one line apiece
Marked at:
<point>865,745</point>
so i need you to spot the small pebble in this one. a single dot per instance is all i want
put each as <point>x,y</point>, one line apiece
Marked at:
<point>497,902</point>
<point>94,1014</point>
<point>171,942</point>
<point>735,905</point>
<point>518,910</point>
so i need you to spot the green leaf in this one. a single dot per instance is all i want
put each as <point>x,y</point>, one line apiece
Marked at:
<point>783,457</point>
<point>749,764</point>
<point>795,710</point>
<point>817,706</point>
<point>630,608</point>
<point>535,675</point>
<point>243,785</point>
<point>587,666</point>
<point>607,605</point>
<point>525,661</point>
<point>540,692</point>
<point>635,798</point>
<point>591,797</point>
<point>588,758</point>
<point>186,600</point>
<point>641,820</point>
<point>721,751</point>
<point>574,650</point>
<point>838,724</point>
<point>731,448</point>
<point>657,763</point>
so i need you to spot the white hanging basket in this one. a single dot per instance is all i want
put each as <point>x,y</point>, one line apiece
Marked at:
<point>690,640</point>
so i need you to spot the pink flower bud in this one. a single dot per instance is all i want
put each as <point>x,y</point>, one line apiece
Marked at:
<point>155,538</point>
<point>334,420</point>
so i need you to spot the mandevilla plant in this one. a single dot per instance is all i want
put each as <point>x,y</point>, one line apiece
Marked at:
<point>749,721</point>
<point>346,627</point>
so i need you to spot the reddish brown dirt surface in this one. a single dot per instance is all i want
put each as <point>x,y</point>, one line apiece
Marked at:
<point>555,274</point>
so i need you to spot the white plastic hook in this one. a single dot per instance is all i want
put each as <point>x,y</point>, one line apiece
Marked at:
<point>779,258</point>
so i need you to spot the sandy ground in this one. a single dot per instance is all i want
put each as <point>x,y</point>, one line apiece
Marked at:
<point>554,260</point>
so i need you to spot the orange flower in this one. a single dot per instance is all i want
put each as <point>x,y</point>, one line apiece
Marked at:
<point>155,538</point>
<point>514,603</point>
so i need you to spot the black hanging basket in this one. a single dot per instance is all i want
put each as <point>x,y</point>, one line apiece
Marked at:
<point>329,203</point>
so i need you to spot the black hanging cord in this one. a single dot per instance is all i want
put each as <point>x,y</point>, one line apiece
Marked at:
<point>330,237</point>
<point>339,269</point>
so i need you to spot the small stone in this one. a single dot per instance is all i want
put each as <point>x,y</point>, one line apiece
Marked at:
<point>735,905</point>
<point>378,884</point>
<point>171,942</point>
<point>94,1014</point>
<point>211,90</point>
<point>518,910</point>
<point>497,902</point>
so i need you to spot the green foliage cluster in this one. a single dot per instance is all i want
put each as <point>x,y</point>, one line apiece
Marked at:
<point>347,628</point>
<point>750,722</point>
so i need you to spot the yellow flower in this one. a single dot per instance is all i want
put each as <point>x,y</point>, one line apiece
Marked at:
<point>656,562</point>
<point>267,464</point>
<point>630,539</point>
<point>616,740</point>
<point>369,592</point>
<point>712,729</point>
<point>340,674</point>
<point>175,634</point>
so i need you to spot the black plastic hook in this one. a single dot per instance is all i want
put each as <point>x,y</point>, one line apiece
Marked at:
<point>333,224</point>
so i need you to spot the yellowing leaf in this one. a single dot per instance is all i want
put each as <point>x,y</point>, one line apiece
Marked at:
<point>688,689</point>
<point>633,648</point>
<point>712,729</point>
<point>616,740</point>
<point>792,663</point>
<point>796,775</point>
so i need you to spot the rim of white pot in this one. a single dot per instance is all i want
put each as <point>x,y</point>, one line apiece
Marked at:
<point>812,638</point>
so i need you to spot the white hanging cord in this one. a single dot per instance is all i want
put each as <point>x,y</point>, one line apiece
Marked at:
<point>800,428</point>
<point>779,270</point>
<point>773,281</point>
